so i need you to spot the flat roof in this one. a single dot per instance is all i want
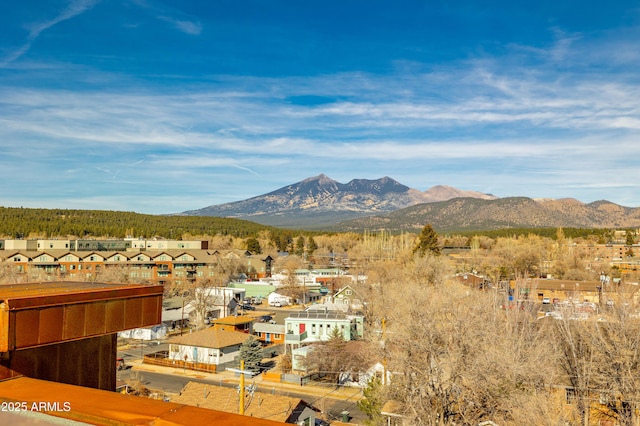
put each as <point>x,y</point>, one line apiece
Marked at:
<point>44,313</point>
<point>317,315</point>
<point>55,292</point>
<point>99,407</point>
<point>235,320</point>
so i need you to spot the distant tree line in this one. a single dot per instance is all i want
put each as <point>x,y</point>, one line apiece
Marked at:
<point>603,236</point>
<point>50,223</point>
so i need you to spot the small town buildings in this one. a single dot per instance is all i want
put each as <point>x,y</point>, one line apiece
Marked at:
<point>277,299</point>
<point>27,262</point>
<point>259,405</point>
<point>207,349</point>
<point>299,358</point>
<point>311,326</point>
<point>349,297</point>
<point>52,403</point>
<point>328,307</point>
<point>239,323</point>
<point>269,334</point>
<point>316,278</point>
<point>473,280</point>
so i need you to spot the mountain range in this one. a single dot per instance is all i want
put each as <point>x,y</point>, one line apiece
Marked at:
<point>322,203</point>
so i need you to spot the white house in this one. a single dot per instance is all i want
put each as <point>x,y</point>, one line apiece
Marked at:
<point>211,346</point>
<point>313,326</point>
<point>148,333</point>
<point>349,297</point>
<point>276,298</point>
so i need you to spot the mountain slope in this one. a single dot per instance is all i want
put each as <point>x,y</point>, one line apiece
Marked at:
<point>468,214</point>
<point>321,202</point>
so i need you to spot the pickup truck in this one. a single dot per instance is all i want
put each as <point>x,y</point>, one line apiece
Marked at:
<point>120,364</point>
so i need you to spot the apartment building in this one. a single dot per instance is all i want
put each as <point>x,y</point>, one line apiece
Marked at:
<point>170,266</point>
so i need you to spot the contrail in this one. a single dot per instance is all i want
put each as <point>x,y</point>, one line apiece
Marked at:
<point>246,169</point>
<point>75,7</point>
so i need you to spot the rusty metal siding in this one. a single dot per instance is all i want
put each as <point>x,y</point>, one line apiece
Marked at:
<point>74,321</point>
<point>71,311</point>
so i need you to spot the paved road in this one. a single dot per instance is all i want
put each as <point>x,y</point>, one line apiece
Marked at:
<point>172,380</point>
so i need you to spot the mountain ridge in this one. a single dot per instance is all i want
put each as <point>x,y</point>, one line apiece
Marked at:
<point>467,214</point>
<point>319,201</point>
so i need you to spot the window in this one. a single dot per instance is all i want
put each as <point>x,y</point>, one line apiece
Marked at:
<point>313,329</point>
<point>347,292</point>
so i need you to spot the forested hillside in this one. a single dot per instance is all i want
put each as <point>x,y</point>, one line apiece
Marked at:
<point>471,214</point>
<point>23,222</point>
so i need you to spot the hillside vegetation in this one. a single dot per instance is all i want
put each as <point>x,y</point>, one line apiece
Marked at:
<point>23,222</point>
<point>52,223</point>
<point>472,214</point>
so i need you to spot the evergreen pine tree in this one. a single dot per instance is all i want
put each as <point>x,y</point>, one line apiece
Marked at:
<point>371,403</point>
<point>427,242</point>
<point>251,353</point>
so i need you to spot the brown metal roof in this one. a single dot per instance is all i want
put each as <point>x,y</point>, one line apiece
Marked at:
<point>38,314</point>
<point>100,407</point>
<point>563,285</point>
<point>262,405</point>
<point>235,320</point>
<point>210,338</point>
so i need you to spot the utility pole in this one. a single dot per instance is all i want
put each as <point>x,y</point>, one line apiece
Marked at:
<point>242,388</point>
<point>384,359</point>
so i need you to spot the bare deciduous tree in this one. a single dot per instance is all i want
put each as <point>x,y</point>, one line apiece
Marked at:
<point>459,359</point>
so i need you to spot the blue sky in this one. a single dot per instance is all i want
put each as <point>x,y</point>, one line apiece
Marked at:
<point>166,106</point>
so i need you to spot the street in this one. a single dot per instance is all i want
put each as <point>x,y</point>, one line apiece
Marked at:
<point>171,381</point>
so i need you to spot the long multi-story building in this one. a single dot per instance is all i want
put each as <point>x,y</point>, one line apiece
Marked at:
<point>127,244</point>
<point>604,252</point>
<point>170,266</point>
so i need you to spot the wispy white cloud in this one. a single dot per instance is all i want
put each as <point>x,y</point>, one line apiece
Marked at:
<point>188,27</point>
<point>499,123</point>
<point>74,8</point>
<point>177,18</point>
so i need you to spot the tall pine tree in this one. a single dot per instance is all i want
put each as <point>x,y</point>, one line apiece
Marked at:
<point>427,242</point>
<point>251,353</point>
